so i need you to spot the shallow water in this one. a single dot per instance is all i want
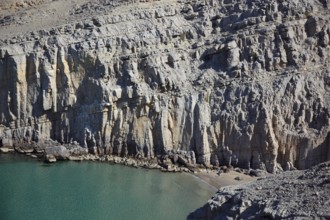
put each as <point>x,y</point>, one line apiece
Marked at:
<point>90,190</point>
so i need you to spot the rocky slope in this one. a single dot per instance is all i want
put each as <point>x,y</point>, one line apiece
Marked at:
<point>289,195</point>
<point>224,82</point>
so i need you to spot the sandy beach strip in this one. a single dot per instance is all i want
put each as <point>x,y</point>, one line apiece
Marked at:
<point>224,179</point>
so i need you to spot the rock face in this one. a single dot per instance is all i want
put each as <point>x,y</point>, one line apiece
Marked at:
<point>231,82</point>
<point>289,195</point>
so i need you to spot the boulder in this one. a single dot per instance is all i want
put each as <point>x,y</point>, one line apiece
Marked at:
<point>58,152</point>
<point>50,158</point>
<point>4,150</point>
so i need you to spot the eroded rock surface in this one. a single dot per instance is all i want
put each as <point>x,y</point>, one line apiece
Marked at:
<point>229,82</point>
<point>289,195</point>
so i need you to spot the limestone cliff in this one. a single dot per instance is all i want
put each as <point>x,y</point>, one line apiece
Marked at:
<point>240,82</point>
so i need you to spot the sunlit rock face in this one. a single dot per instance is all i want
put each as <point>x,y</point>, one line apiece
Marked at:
<point>272,197</point>
<point>245,83</point>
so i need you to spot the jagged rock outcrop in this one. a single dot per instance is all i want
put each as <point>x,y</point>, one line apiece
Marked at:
<point>289,195</point>
<point>236,82</point>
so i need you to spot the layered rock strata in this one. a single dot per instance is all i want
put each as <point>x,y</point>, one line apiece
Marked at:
<point>228,82</point>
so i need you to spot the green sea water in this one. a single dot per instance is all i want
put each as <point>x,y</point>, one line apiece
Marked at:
<point>91,190</point>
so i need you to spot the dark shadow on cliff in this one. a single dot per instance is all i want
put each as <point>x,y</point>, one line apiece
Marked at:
<point>319,154</point>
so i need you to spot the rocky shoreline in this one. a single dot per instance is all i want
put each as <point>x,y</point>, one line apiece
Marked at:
<point>60,153</point>
<point>215,177</point>
<point>240,195</point>
<point>300,194</point>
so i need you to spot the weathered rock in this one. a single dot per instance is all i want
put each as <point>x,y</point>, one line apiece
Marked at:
<point>257,173</point>
<point>288,195</point>
<point>75,158</point>
<point>49,158</point>
<point>34,156</point>
<point>4,150</point>
<point>59,152</point>
<point>10,4</point>
<point>182,161</point>
<point>234,83</point>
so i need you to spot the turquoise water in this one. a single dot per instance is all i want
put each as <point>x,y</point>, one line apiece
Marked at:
<point>90,190</point>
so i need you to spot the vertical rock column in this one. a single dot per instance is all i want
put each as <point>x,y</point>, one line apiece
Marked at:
<point>201,123</point>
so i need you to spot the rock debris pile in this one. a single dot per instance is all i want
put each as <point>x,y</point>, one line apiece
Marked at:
<point>289,195</point>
